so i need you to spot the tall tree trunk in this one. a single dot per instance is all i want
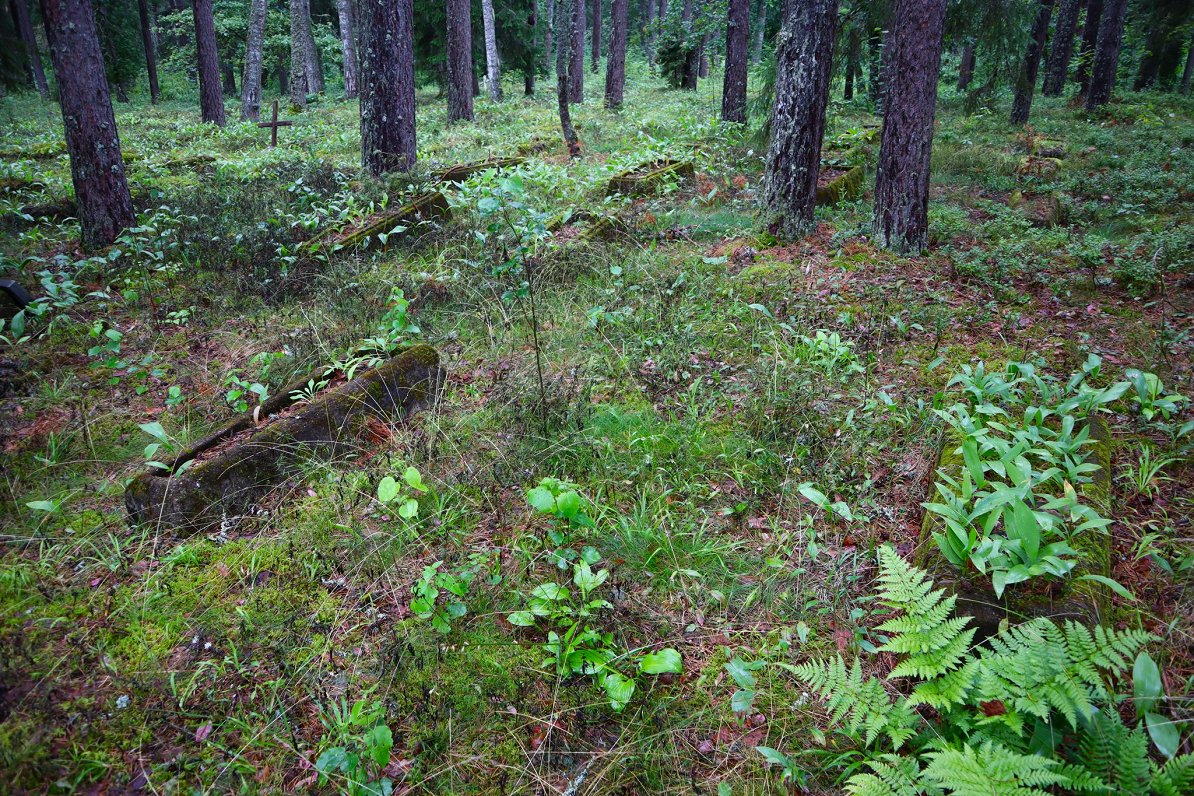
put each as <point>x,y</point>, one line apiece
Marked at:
<point>692,57</point>
<point>567,22</point>
<point>1026,79</point>
<point>760,32</point>
<point>1188,71</point>
<point>803,64</point>
<point>311,54</point>
<point>733,92</point>
<point>595,58</point>
<point>549,36</point>
<point>1106,56</point>
<point>530,65</point>
<point>576,53</point>
<point>227,79</point>
<point>211,101</point>
<point>652,10</point>
<point>853,54</point>
<point>703,56</point>
<point>250,84</point>
<point>493,66</point>
<point>348,45</point>
<point>283,76</point>
<point>966,67</point>
<point>149,42</point>
<point>29,39</point>
<point>902,184</point>
<point>387,85</point>
<point>299,85</point>
<point>1090,41</point>
<point>615,66</point>
<point>101,190</point>
<point>1062,48</point>
<point>460,61</point>
<point>874,44</point>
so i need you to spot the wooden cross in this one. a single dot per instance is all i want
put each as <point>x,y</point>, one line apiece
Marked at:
<point>274,125</point>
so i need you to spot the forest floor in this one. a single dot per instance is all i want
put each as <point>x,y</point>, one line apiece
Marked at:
<point>684,391</point>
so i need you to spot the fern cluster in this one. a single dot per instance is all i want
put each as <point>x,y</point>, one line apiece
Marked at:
<point>1026,713</point>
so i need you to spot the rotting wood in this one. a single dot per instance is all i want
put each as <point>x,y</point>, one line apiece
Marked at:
<point>646,179</point>
<point>200,496</point>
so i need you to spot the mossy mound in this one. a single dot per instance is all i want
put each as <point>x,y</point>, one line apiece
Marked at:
<point>646,179</point>
<point>845,187</point>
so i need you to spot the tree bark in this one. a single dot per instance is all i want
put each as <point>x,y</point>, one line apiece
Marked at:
<point>250,84</point>
<point>227,79</point>
<point>853,54</point>
<point>874,43</point>
<point>299,85</point>
<point>568,21</point>
<point>966,67</point>
<point>149,42</point>
<point>97,171</point>
<point>615,67</point>
<point>803,64</point>
<point>460,61</point>
<point>1090,40</point>
<point>493,66</point>
<point>1026,79</point>
<point>595,58</point>
<point>652,10</point>
<point>692,59</point>
<point>912,69</point>
<point>760,32</point>
<point>549,35</point>
<point>211,101</point>
<point>387,85</point>
<point>1188,71</point>
<point>1062,49</point>
<point>703,56</point>
<point>576,53</point>
<point>529,65</point>
<point>315,84</point>
<point>733,92</point>
<point>283,76</point>
<point>29,39</point>
<point>348,45</point>
<point>1106,55</point>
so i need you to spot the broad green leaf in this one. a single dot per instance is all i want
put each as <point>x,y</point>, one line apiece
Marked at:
<point>409,509</point>
<point>1147,687</point>
<point>541,500</point>
<point>619,689</point>
<point>743,700</point>
<point>43,505</point>
<point>1110,583</point>
<point>521,618</point>
<point>414,478</point>
<point>665,661</point>
<point>155,430</point>
<point>550,591</point>
<point>1164,733</point>
<point>740,671</point>
<point>387,490</point>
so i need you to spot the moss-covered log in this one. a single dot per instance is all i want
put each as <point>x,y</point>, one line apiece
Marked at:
<point>222,483</point>
<point>1069,598</point>
<point>844,188</point>
<point>647,178</point>
<point>460,173</point>
<point>425,207</point>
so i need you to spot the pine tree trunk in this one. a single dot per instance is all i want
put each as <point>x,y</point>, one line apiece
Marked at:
<point>615,67</point>
<point>149,42</point>
<point>299,85</point>
<point>1062,49</point>
<point>211,101</point>
<point>853,53</point>
<point>460,61</point>
<point>529,64</point>
<point>97,171</point>
<point>348,45</point>
<point>250,84</point>
<point>703,57</point>
<point>804,64</point>
<point>652,10</point>
<point>387,85</point>
<point>283,77</point>
<point>314,64</point>
<point>966,67</point>
<point>595,58</point>
<point>1026,79</point>
<point>692,58</point>
<point>576,53</point>
<point>567,23</point>
<point>227,79</point>
<point>1106,55</point>
<point>549,52</point>
<point>29,39</point>
<point>493,66</point>
<point>1090,40</point>
<point>760,32</point>
<point>911,73</point>
<point>1188,71</point>
<point>733,92</point>
<point>874,43</point>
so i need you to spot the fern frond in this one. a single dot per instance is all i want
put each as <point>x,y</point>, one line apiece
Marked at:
<point>1175,778</point>
<point>1114,753</point>
<point>894,775</point>
<point>862,706</point>
<point>946,691</point>
<point>991,770</point>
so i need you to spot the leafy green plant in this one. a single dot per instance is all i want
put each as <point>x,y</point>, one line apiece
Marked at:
<point>567,508</point>
<point>404,494</point>
<point>360,747</point>
<point>1150,396</point>
<point>434,583</point>
<point>996,708</point>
